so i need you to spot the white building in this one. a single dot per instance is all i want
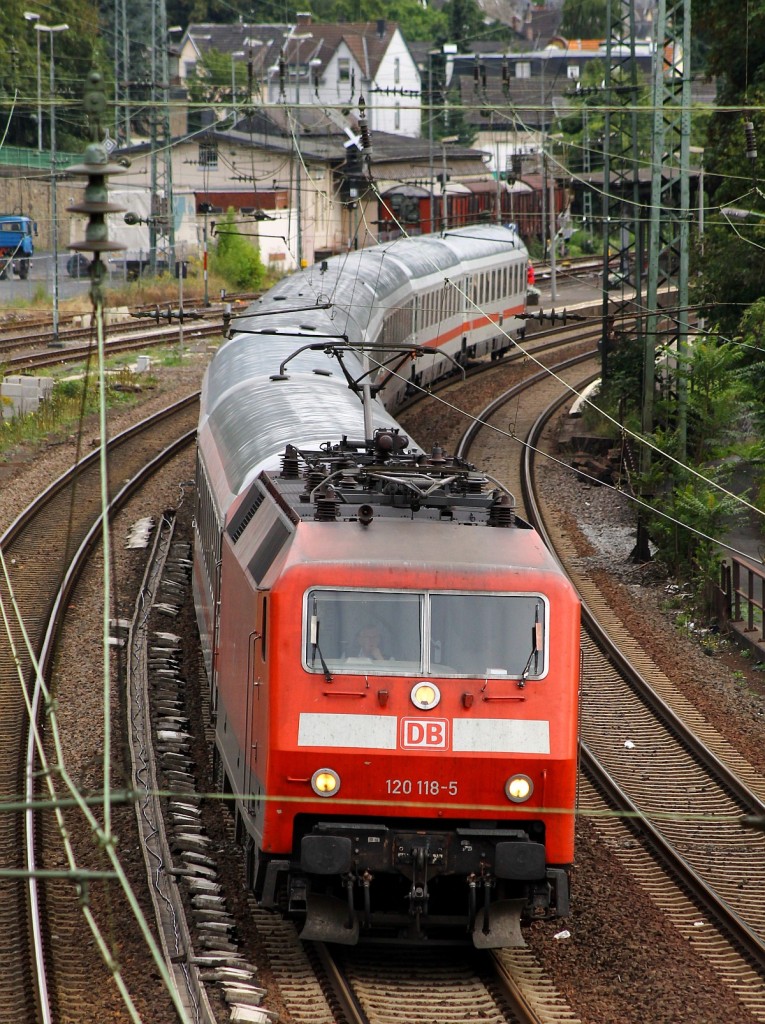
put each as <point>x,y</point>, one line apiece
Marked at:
<point>309,65</point>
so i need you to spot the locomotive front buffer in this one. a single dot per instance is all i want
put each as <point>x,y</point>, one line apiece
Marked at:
<point>417,886</point>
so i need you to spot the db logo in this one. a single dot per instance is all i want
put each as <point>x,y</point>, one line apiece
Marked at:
<point>424,732</point>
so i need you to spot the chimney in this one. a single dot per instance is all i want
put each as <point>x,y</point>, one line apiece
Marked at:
<point>303,18</point>
<point>381,27</point>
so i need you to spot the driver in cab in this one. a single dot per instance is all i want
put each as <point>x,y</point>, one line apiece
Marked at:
<point>368,644</point>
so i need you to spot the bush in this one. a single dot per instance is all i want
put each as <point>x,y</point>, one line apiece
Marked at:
<point>583,242</point>
<point>234,259</point>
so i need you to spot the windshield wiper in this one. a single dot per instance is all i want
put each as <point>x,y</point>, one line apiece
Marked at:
<point>536,647</point>
<point>315,649</point>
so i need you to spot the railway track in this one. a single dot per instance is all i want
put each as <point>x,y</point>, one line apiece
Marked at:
<point>389,985</point>
<point>379,996</point>
<point>138,338</point>
<point>37,551</point>
<point>682,768</point>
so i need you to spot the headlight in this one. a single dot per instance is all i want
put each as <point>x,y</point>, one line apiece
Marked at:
<point>325,782</point>
<point>425,695</point>
<point>519,788</point>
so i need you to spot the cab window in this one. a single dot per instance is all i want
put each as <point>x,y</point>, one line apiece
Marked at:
<point>420,633</point>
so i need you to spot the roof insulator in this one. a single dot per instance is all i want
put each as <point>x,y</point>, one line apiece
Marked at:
<point>290,464</point>
<point>327,505</point>
<point>502,511</point>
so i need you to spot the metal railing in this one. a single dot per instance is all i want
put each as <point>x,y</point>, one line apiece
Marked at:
<point>32,159</point>
<point>743,586</point>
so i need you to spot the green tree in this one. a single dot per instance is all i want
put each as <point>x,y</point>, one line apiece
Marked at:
<point>693,553</point>
<point>234,258</point>
<point>465,21</point>
<point>731,273</point>
<point>733,41</point>
<point>76,52</point>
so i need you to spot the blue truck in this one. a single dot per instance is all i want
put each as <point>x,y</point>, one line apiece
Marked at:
<point>16,244</point>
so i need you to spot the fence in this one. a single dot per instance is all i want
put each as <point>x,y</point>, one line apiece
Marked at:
<point>743,591</point>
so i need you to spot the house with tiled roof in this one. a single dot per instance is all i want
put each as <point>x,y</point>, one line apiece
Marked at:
<point>287,183</point>
<point>340,63</point>
<point>307,65</point>
<point>513,100</point>
<point>256,47</point>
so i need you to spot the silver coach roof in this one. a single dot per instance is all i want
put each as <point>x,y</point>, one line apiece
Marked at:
<point>250,416</point>
<point>355,285</point>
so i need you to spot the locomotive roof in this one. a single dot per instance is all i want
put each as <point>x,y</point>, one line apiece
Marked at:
<point>357,480</point>
<point>366,503</point>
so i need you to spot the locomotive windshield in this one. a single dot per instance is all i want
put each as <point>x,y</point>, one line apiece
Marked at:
<point>420,633</point>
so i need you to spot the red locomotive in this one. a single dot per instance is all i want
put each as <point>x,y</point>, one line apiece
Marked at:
<point>393,655</point>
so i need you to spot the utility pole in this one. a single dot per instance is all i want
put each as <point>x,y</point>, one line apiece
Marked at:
<point>430,138</point>
<point>32,17</point>
<point>586,169</point>
<point>52,30</point>
<point>553,234</point>
<point>162,219</point>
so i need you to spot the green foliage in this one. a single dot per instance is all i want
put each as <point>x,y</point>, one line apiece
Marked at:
<point>75,51</point>
<point>622,390</point>
<point>583,130</point>
<point>457,21</point>
<point>692,553</point>
<point>731,273</point>
<point>234,258</point>
<point>465,21</point>
<point>69,401</point>
<point>712,397</point>
<point>582,243</point>
<point>212,84</point>
<point>737,62</point>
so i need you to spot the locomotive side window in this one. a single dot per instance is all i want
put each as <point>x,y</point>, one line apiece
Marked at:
<point>443,634</point>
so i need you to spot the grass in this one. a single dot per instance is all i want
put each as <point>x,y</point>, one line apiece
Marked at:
<point>146,291</point>
<point>72,399</point>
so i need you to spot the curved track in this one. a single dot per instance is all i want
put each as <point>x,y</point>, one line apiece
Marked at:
<point>37,550</point>
<point>678,767</point>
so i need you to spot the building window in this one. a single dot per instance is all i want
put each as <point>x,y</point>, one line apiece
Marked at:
<point>397,117</point>
<point>343,69</point>
<point>523,69</point>
<point>572,72</point>
<point>397,70</point>
<point>208,154</point>
<point>190,68</point>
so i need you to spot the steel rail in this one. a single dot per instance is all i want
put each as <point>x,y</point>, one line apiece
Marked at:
<point>45,653</point>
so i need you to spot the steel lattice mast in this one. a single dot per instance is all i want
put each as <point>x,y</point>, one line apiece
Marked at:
<point>162,220</point>
<point>121,74</point>
<point>621,194</point>
<point>670,203</point>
